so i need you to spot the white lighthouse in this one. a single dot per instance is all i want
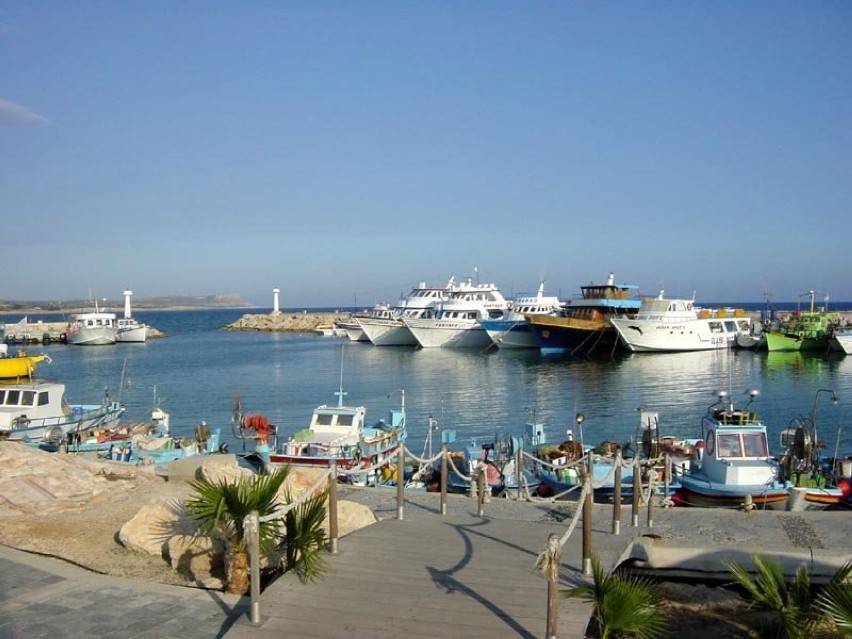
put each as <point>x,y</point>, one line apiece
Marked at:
<point>127,295</point>
<point>275,292</point>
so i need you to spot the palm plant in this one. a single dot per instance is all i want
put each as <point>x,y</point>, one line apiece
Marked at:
<point>304,538</point>
<point>835,601</point>
<point>798,614</point>
<point>221,507</point>
<point>622,605</point>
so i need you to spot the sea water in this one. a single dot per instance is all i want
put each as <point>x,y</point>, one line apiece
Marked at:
<point>200,372</point>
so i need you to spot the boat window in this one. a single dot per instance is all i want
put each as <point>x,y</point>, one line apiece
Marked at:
<point>715,327</point>
<point>754,444</point>
<point>13,397</point>
<point>2,397</point>
<point>28,398</point>
<point>344,420</point>
<point>730,445</point>
<point>731,326</point>
<point>324,420</point>
<point>43,398</point>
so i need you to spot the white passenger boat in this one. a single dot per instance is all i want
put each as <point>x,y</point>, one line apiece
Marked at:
<point>420,302</point>
<point>128,328</point>
<point>92,329</point>
<point>667,324</point>
<point>512,330</point>
<point>38,411</point>
<point>457,322</point>
<point>353,328</point>
<point>841,341</point>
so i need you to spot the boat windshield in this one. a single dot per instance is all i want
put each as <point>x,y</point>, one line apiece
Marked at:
<point>754,445</point>
<point>729,445</point>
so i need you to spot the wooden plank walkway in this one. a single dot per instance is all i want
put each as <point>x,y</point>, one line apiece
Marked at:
<point>456,575</point>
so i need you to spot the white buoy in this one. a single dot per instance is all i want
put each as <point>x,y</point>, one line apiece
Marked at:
<point>127,295</point>
<point>275,292</point>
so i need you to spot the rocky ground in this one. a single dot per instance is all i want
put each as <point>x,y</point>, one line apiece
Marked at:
<point>73,509</point>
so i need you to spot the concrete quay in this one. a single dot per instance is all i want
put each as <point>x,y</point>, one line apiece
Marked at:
<point>429,575</point>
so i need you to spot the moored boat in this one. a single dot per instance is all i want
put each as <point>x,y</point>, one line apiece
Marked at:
<point>420,302</point>
<point>512,330</point>
<point>841,341</point>
<point>355,332</point>
<point>732,467</point>
<point>583,325</point>
<point>92,329</point>
<point>456,323</point>
<point>128,329</point>
<point>804,330</point>
<point>335,435</point>
<point>37,411</point>
<point>18,365</point>
<point>673,325</point>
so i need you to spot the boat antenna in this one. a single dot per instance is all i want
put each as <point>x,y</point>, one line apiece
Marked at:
<point>340,392</point>
<point>121,383</point>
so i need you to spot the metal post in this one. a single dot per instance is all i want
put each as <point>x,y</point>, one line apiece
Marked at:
<point>444,479</point>
<point>616,496</point>
<point>587,528</point>
<point>667,478</point>
<point>400,482</point>
<point>637,491</point>
<point>332,507</point>
<point>254,565</point>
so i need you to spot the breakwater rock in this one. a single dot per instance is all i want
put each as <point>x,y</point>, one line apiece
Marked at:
<point>286,322</point>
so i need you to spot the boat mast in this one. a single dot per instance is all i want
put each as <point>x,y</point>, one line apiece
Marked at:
<point>340,392</point>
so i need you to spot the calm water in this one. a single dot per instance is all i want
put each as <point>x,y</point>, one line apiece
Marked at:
<point>198,369</point>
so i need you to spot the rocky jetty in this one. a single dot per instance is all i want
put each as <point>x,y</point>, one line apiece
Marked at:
<point>286,322</point>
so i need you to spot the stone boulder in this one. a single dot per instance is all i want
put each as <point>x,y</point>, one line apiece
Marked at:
<point>153,525</point>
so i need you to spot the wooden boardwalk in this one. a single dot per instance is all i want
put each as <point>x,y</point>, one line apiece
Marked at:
<point>433,575</point>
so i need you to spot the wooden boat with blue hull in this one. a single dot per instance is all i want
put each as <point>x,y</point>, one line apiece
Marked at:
<point>37,411</point>
<point>582,325</point>
<point>500,458</point>
<point>566,476</point>
<point>733,466</point>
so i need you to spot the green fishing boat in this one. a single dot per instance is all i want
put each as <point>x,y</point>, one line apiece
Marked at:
<point>804,331</point>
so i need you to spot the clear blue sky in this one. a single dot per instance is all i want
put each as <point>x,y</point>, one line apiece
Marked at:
<point>344,151</point>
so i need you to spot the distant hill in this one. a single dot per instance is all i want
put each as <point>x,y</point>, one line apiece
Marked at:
<point>222,300</point>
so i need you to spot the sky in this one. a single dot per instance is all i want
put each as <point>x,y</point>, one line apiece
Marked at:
<point>345,151</point>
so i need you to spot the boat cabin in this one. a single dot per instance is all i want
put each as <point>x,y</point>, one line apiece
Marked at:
<point>20,403</point>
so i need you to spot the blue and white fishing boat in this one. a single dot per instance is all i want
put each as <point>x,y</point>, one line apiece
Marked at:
<point>512,330</point>
<point>733,466</point>
<point>37,411</point>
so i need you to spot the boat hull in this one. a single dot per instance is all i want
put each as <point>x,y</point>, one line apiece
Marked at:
<point>19,366</point>
<point>135,334</point>
<point>647,336</point>
<point>510,334</point>
<point>101,336</point>
<point>81,418</point>
<point>436,333</point>
<point>776,341</point>
<point>700,492</point>
<point>571,335</point>
<point>388,333</point>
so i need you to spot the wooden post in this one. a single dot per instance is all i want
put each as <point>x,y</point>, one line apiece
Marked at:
<point>616,496</point>
<point>651,469</point>
<point>553,586</point>
<point>637,491</point>
<point>587,527</point>
<point>254,565</point>
<point>519,466</point>
<point>332,507</point>
<point>481,487</point>
<point>444,479</point>
<point>400,482</point>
